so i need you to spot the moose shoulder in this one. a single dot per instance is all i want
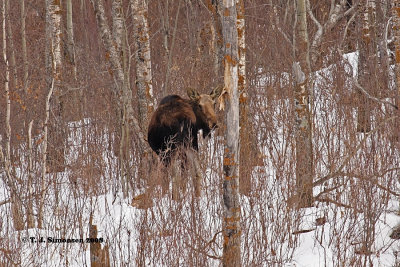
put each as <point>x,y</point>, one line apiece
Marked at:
<point>176,121</point>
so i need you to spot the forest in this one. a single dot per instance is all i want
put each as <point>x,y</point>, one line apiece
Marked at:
<point>303,169</point>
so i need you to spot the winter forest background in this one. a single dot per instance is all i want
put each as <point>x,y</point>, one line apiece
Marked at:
<point>313,84</point>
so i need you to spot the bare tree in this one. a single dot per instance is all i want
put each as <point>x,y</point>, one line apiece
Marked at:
<point>301,71</point>
<point>52,156</point>
<point>143,61</point>
<point>70,51</point>
<point>23,44</point>
<point>396,35</point>
<point>367,58</point>
<point>12,183</point>
<point>122,91</point>
<point>230,99</point>
<point>56,146</point>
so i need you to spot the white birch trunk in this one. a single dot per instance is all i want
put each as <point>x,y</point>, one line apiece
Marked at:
<point>231,223</point>
<point>44,155</point>
<point>70,37</point>
<point>29,209</point>
<point>53,33</point>
<point>303,135</point>
<point>117,25</point>
<point>143,61</point>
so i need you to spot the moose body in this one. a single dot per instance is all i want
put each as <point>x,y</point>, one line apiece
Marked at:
<point>176,122</point>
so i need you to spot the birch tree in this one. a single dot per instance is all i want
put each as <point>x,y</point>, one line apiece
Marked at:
<point>122,91</point>
<point>55,157</point>
<point>301,71</point>
<point>70,37</point>
<point>53,69</point>
<point>307,53</point>
<point>246,143</point>
<point>230,101</point>
<point>143,61</point>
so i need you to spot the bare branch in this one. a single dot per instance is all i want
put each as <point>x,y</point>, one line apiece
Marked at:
<point>352,153</point>
<point>372,97</point>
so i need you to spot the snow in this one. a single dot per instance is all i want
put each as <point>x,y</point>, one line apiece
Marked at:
<point>170,230</point>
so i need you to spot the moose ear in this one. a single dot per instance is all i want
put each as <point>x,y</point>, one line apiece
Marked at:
<point>192,93</point>
<point>216,92</point>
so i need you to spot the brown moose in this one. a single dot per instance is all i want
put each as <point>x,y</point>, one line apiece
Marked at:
<point>177,121</point>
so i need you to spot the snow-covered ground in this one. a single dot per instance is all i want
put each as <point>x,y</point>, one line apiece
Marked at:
<point>187,232</point>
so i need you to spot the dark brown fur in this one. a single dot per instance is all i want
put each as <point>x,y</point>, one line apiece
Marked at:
<point>177,121</point>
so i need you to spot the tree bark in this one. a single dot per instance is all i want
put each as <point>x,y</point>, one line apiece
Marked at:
<point>396,35</point>
<point>44,155</point>
<point>55,156</point>
<point>23,44</point>
<point>231,223</point>
<point>246,143</point>
<point>70,37</point>
<point>367,58</point>
<point>303,137</point>
<point>213,7</point>
<point>29,206</point>
<point>169,51</point>
<point>143,61</point>
<point>99,257</point>
<point>11,44</point>
<point>16,204</point>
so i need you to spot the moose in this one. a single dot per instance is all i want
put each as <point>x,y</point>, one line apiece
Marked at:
<point>176,122</point>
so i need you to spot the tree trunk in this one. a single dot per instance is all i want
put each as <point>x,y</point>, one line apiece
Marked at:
<point>213,7</point>
<point>231,223</point>
<point>119,41</point>
<point>16,204</point>
<point>29,206</point>
<point>11,44</point>
<point>169,52</point>
<point>53,144</point>
<point>396,35</point>
<point>367,58</point>
<point>70,37</point>
<point>143,61</point>
<point>247,143</point>
<point>99,257</point>
<point>55,156</point>
<point>23,44</point>
<point>164,17</point>
<point>40,203</point>
<point>301,71</point>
